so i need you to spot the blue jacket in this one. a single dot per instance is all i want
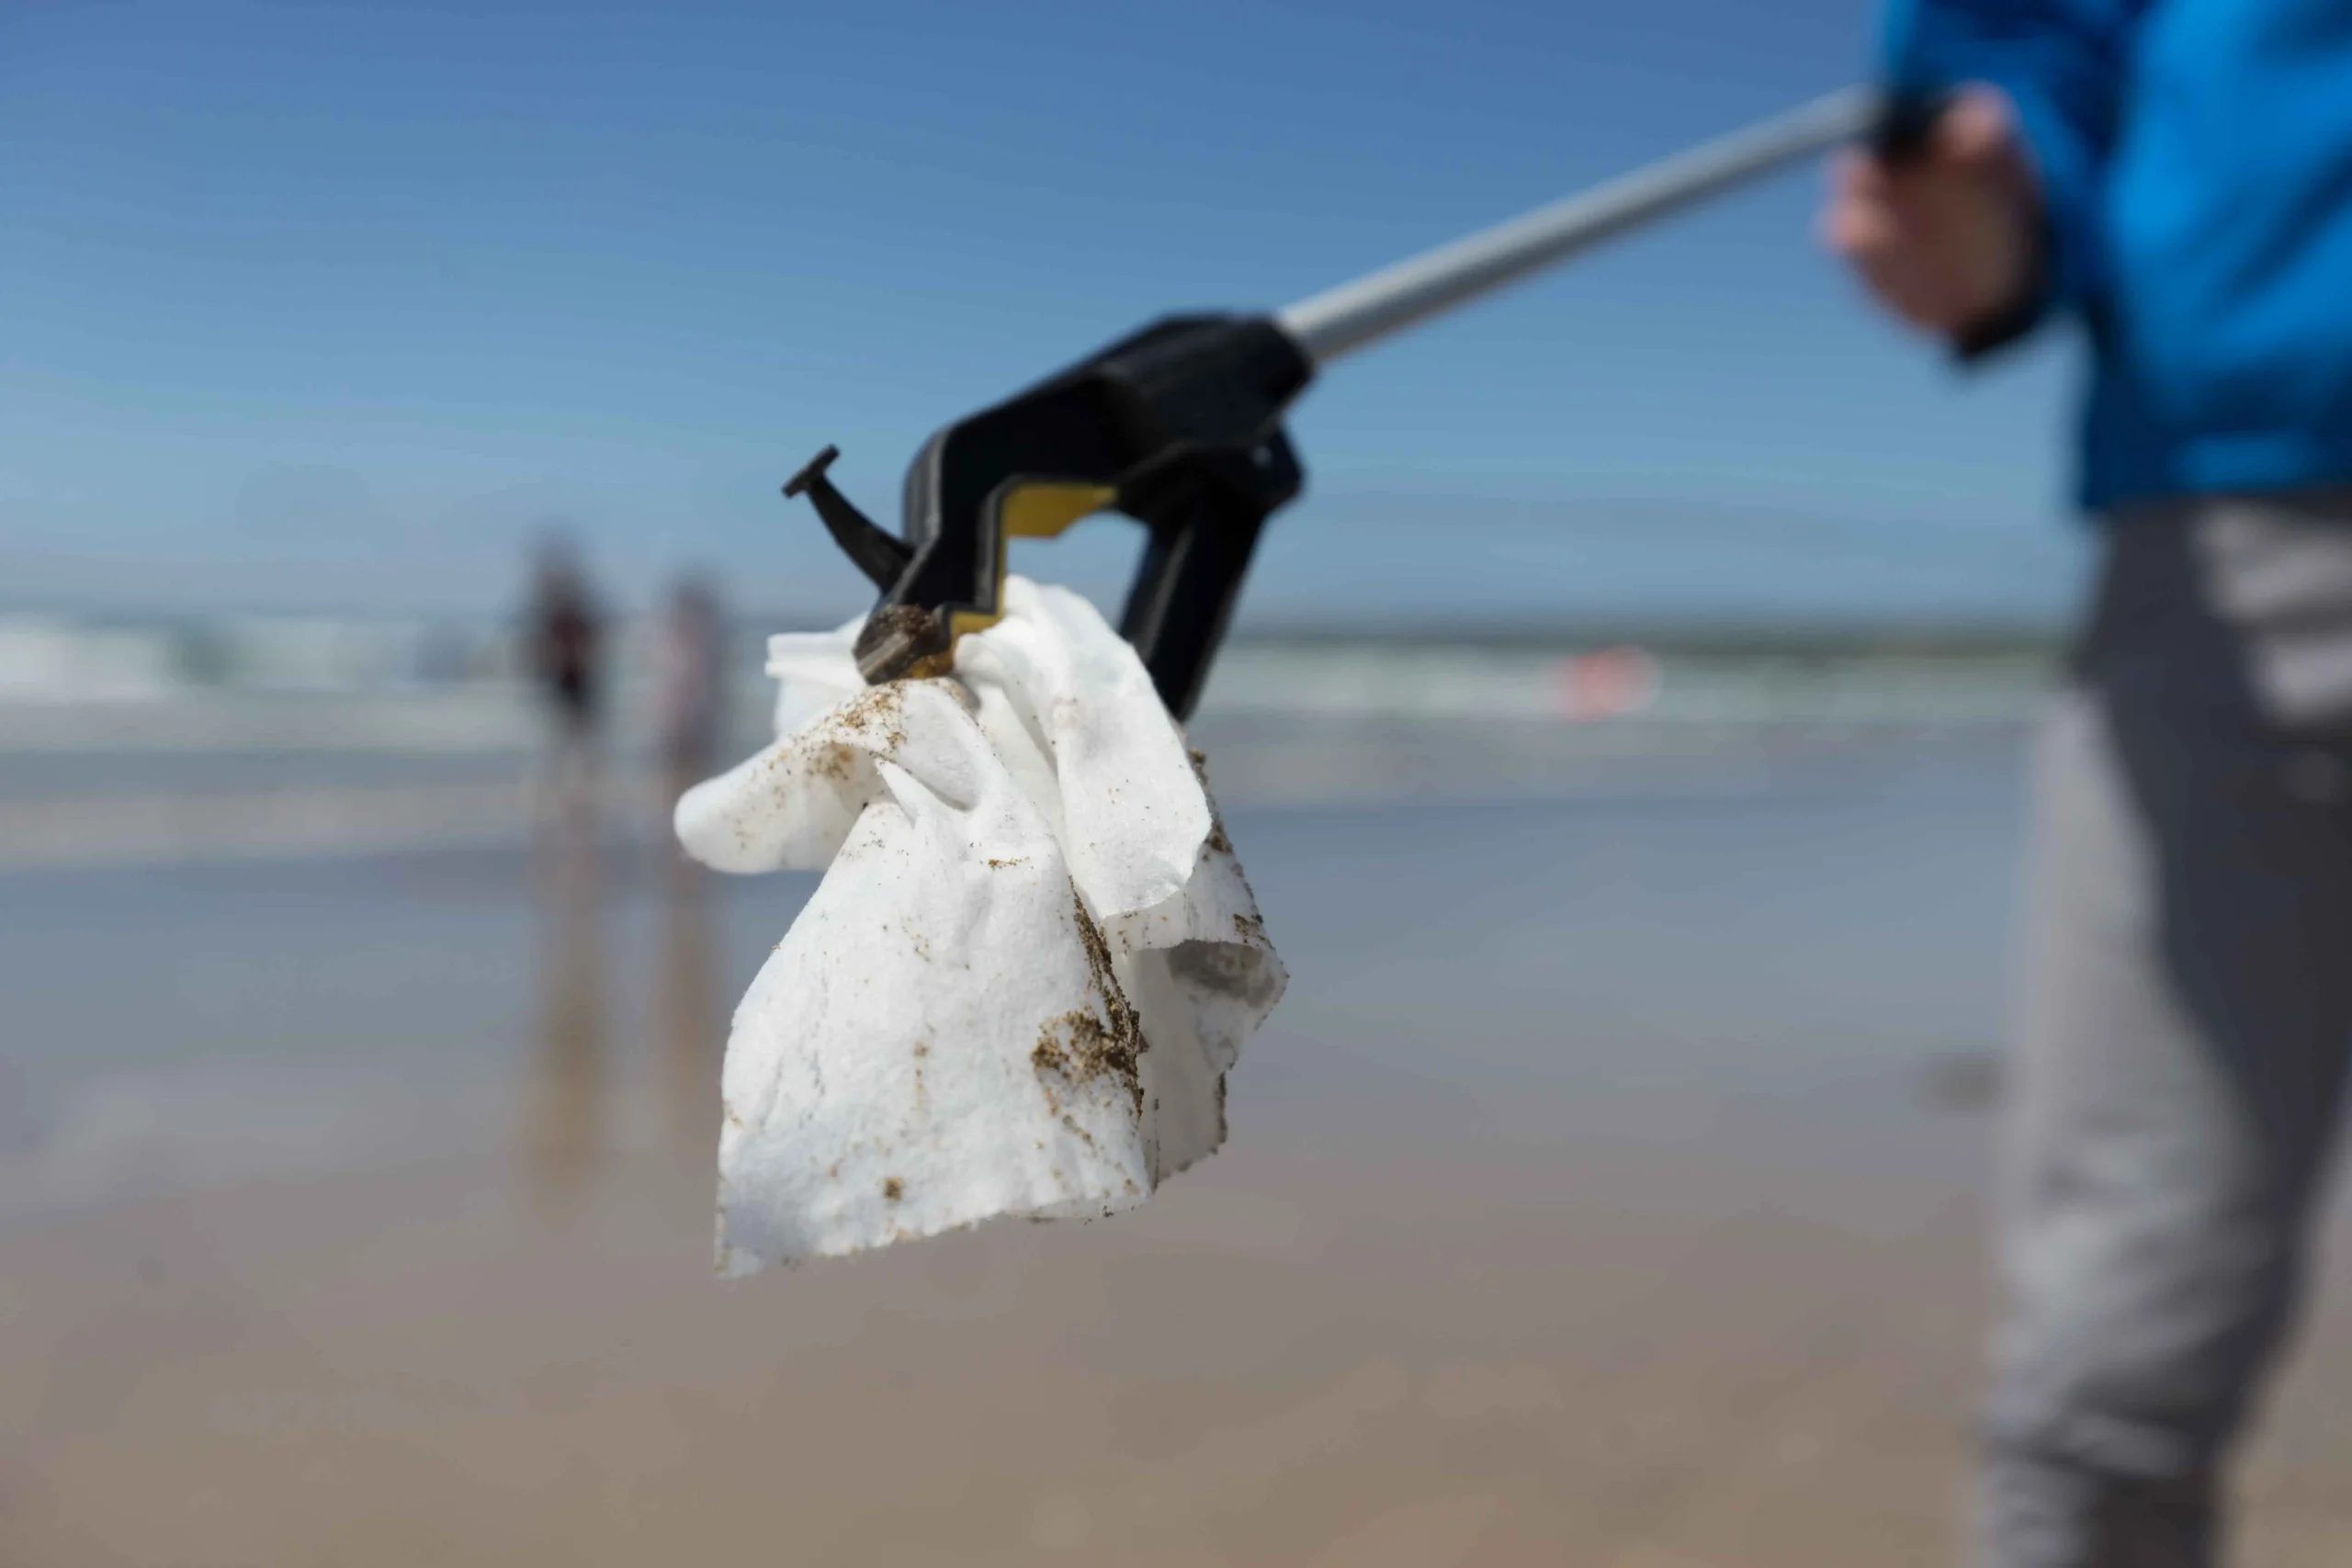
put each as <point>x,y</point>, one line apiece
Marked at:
<point>2195,158</point>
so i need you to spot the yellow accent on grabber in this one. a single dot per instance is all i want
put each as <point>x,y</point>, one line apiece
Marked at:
<point>1043,510</point>
<point>1039,510</point>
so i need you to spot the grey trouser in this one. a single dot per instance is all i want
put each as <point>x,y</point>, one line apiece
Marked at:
<point>2182,1034</point>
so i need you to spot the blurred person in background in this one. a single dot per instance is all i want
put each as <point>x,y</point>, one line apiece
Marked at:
<point>689,716</point>
<point>689,688</point>
<point>563,1112</point>
<point>2175,177</point>
<point>565,644</point>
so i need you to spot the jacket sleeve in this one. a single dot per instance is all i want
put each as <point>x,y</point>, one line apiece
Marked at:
<point>2062,64</point>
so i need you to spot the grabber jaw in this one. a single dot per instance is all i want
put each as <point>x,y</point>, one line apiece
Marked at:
<point>898,638</point>
<point>1178,427</point>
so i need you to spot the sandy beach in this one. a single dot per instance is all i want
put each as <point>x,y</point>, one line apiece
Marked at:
<point>1608,1191</point>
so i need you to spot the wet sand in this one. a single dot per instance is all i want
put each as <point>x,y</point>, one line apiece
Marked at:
<point>1602,1196</point>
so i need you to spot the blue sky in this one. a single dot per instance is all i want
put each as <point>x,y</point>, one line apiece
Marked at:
<point>336,306</point>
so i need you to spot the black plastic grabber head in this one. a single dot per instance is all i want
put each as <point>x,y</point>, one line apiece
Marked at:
<point>1178,427</point>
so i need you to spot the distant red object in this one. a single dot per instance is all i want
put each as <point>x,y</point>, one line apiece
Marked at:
<point>1609,683</point>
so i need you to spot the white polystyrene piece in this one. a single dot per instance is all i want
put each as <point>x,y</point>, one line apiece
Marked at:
<point>1030,964</point>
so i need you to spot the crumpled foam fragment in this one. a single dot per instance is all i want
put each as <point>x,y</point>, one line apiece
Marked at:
<point>1031,963</point>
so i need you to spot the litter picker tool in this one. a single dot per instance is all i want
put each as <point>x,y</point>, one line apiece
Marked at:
<point>1178,426</point>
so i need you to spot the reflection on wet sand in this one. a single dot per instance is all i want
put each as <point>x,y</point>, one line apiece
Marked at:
<point>562,1132</point>
<point>690,707</point>
<point>576,1065</point>
<point>687,1017</point>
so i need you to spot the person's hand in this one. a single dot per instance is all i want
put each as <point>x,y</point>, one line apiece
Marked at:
<point>1948,237</point>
